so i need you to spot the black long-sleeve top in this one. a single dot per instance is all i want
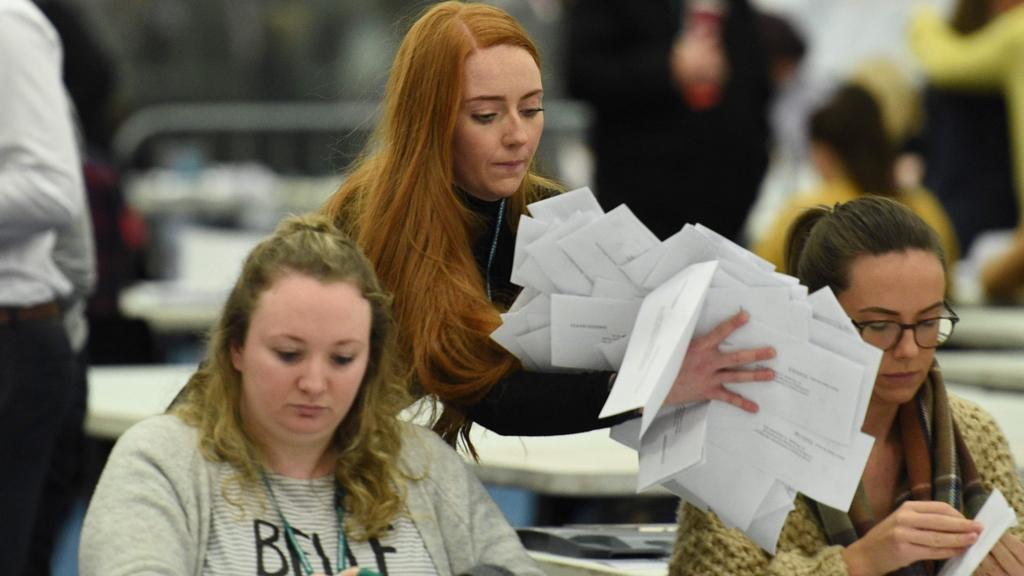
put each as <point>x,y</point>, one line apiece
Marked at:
<point>531,403</point>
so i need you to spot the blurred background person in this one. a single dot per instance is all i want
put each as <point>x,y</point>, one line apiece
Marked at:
<point>41,199</point>
<point>853,155</point>
<point>842,38</point>
<point>976,64</point>
<point>680,93</point>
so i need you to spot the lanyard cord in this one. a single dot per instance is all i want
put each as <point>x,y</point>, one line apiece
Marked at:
<point>289,532</point>
<point>494,247</point>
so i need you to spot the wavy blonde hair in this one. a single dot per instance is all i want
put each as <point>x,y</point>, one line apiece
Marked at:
<point>368,439</point>
<point>400,203</point>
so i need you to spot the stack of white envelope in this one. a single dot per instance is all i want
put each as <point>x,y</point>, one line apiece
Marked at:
<point>601,292</point>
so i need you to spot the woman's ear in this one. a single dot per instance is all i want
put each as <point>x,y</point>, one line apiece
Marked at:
<point>236,357</point>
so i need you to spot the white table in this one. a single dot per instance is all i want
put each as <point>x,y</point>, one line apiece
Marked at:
<point>983,327</point>
<point>1001,369</point>
<point>554,565</point>
<point>588,464</point>
<point>120,396</point>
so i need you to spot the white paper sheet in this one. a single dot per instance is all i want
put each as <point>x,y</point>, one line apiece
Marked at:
<point>824,470</point>
<point>826,308</point>
<point>608,242</point>
<point>673,443</point>
<point>867,356</point>
<point>640,267</point>
<point>813,387</point>
<point>579,324</point>
<point>686,247</point>
<point>614,352</point>
<point>765,529</point>
<point>658,343</point>
<point>567,277</point>
<point>617,290</point>
<point>529,231</point>
<point>561,206</point>
<point>729,487</point>
<point>769,306</point>
<point>507,335</point>
<point>996,517</point>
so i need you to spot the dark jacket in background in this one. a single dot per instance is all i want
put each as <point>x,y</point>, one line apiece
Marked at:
<point>670,164</point>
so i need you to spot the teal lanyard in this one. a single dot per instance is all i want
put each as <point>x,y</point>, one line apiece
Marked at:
<point>289,532</point>
<point>494,248</point>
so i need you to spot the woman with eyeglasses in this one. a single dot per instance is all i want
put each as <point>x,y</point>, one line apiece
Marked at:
<point>935,457</point>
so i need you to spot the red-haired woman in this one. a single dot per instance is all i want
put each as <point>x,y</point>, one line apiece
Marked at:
<point>434,201</point>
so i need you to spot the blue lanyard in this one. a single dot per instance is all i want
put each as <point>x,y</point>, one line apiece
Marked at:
<point>289,532</point>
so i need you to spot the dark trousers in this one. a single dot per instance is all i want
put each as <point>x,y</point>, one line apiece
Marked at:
<point>36,375</point>
<point>67,470</point>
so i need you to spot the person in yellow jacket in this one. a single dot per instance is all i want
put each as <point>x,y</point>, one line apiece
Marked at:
<point>988,59</point>
<point>854,156</point>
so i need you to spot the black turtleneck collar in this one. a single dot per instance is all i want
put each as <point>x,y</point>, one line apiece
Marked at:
<point>502,289</point>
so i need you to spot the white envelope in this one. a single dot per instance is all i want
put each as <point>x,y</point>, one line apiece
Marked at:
<point>605,244</point>
<point>813,387</point>
<point>658,343</point>
<point>579,324</point>
<point>616,290</point>
<point>673,443</point>
<point>826,471</point>
<point>561,206</point>
<point>996,517</point>
<point>567,277</point>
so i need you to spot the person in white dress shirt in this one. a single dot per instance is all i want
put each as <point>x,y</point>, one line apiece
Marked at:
<point>41,195</point>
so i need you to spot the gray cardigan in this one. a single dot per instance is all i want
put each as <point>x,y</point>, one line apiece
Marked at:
<point>151,509</point>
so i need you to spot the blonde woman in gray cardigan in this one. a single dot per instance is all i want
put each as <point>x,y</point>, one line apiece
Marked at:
<point>284,453</point>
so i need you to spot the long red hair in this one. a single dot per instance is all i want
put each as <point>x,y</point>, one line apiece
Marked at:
<point>400,203</point>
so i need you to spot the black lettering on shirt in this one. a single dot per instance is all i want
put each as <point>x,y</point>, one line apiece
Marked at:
<point>265,545</point>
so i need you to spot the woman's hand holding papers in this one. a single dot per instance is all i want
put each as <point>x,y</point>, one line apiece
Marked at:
<point>705,369</point>
<point>917,530</point>
<point>1005,559</point>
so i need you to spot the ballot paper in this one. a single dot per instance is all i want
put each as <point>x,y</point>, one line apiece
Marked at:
<point>675,441</point>
<point>996,517</point>
<point>529,231</point>
<point>826,307</point>
<point>682,249</point>
<point>601,293</point>
<point>562,206</point>
<point>512,326</point>
<point>579,324</point>
<point>617,290</point>
<point>567,277</point>
<point>602,246</point>
<point>770,306</point>
<point>614,352</point>
<point>741,493</point>
<point>867,356</point>
<point>767,526</point>
<point>813,387</point>
<point>660,337</point>
<point>826,471</point>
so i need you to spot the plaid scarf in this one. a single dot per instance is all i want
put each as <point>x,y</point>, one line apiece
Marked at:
<point>938,467</point>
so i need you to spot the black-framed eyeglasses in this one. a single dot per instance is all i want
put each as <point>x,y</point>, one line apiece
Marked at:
<point>928,333</point>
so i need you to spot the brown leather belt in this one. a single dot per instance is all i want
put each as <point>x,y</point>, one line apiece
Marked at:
<point>37,312</point>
